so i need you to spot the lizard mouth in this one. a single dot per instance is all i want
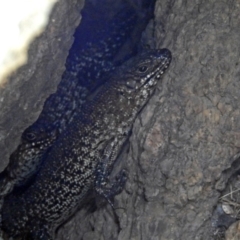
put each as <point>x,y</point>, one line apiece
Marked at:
<point>164,52</point>
<point>163,57</point>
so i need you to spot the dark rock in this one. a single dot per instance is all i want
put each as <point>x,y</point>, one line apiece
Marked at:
<point>22,97</point>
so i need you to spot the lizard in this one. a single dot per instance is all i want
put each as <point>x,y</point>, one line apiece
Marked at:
<point>83,156</point>
<point>85,67</point>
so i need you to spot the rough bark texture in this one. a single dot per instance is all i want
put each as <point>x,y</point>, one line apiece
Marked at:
<point>184,144</point>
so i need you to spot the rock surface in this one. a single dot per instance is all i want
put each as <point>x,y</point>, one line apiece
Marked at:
<point>26,21</point>
<point>185,143</point>
<point>233,232</point>
<point>23,95</point>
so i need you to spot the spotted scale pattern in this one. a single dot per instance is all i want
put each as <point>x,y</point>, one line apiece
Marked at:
<point>70,169</point>
<point>85,68</point>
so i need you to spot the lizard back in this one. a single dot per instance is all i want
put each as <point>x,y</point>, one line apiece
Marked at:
<point>69,171</point>
<point>85,67</point>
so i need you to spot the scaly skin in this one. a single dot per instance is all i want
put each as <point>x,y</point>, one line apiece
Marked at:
<point>82,157</point>
<point>85,68</point>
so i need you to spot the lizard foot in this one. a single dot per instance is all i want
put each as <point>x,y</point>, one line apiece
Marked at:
<point>108,190</point>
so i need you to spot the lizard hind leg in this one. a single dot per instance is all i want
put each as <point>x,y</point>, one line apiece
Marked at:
<point>103,187</point>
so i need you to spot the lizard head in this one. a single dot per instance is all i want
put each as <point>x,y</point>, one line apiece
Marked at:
<point>35,141</point>
<point>140,74</point>
<point>129,88</point>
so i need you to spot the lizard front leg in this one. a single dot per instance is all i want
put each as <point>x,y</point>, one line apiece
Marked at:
<point>101,185</point>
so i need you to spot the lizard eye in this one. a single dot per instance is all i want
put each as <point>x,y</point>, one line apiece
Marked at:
<point>142,69</point>
<point>30,136</point>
